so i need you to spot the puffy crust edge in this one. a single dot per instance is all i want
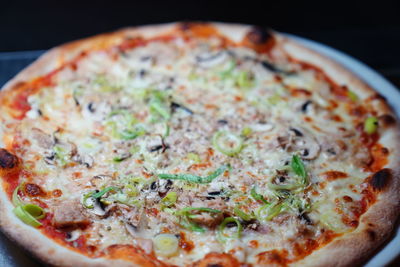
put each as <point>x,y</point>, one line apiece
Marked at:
<point>353,248</point>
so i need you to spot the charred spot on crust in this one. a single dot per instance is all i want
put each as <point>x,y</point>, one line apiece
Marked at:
<point>185,25</point>
<point>7,160</point>
<point>387,120</point>
<point>371,234</point>
<point>378,96</point>
<point>188,25</point>
<point>258,35</point>
<point>380,179</point>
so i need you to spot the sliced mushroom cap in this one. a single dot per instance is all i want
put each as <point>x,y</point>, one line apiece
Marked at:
<point>208,219</point>
<point>69,147</point>
<point>86,160</point>
<point>100,180</point>
<point>262,127</point>
<point>72,236</point>
<point>299,140</point>
<point>44,140</point>
<point>135,222</point>
<point>210,59</point>
<point>98,208</point>
<point>131,229</point>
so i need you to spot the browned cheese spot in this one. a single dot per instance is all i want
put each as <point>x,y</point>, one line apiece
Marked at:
<point>7,160</point>
<point>34,190</point>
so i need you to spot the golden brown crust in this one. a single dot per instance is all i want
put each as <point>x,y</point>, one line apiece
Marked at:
<point>375,226</point>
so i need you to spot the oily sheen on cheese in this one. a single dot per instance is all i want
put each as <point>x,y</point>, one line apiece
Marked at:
<point>226,149</point>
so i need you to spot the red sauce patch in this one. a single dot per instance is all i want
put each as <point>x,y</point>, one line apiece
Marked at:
<point>77,175</point>
<point>368,140</point>
<point>347,199</point>
<point>380,156</point>
<point>18,99</point>
<point>49,230</point>
<point>56,193</point>
<point>200,166</point>
<point>357,111</point>
<point>202,30</point>
<point>153,212</point>
<point>278,257</point>
<point>132,254</point>
<point>336,118</point>
<point>334,175</point>
<point>217,259</point>
<point>298,92</point>
<point>253,244</point>
<point>184,243</point>
<point>11,181</point>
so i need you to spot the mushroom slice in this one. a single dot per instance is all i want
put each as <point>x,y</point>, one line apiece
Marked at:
<point>131,229</point>
<point>210,59</point>
<point>99,180</point>
<point>44,140</point>
<point>98,208</point>
<point>72,236</point>
<point>262,127</point>
<point>85,159</point>
<point>300,140</point>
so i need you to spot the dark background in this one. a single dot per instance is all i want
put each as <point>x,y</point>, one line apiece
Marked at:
<point>366,30</point>
<point>369,31</point>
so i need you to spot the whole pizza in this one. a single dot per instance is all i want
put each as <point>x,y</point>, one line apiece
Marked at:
<point>196,144</point>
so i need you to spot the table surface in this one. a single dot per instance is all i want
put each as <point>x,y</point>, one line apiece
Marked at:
<point>10,64</point>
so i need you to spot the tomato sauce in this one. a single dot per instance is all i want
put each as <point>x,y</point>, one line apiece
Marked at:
<point>380,156</point>
<point>334,175</point>
<point>49,230</point>
<point>184,243</point>
<point>11,181</point>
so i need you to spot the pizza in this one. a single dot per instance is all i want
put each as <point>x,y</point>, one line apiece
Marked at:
<point>196,144</point>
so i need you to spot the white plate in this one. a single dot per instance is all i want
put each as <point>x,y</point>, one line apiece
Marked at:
<point>10,255</point>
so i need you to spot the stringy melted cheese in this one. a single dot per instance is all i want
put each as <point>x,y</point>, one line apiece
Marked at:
<point>203,89</point>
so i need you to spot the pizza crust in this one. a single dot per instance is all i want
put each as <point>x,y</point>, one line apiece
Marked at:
<point>376,224</point>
